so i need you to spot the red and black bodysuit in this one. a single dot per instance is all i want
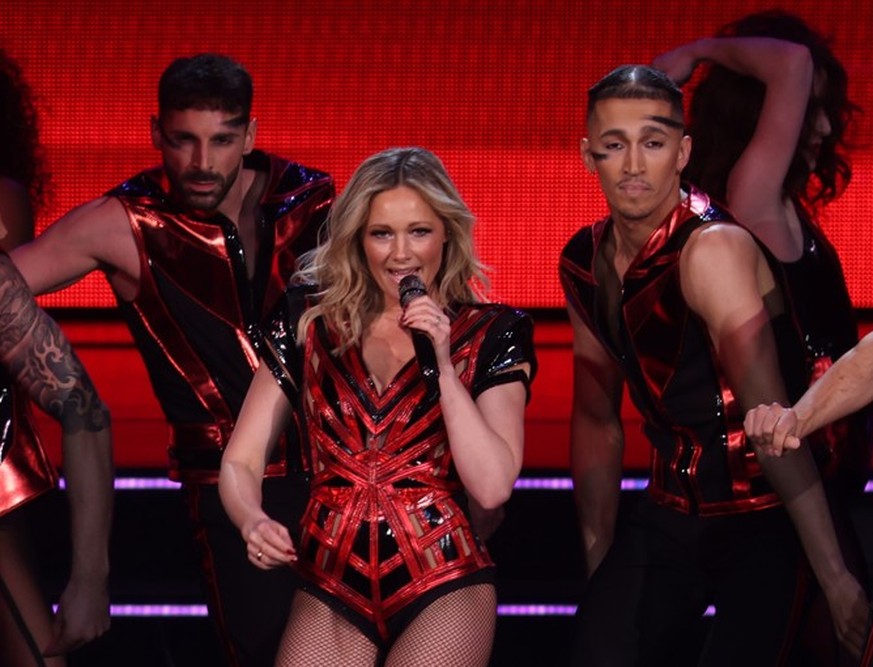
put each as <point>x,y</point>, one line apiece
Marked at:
<point>386,530</point>
<point>711,530</point>
<point>196,321</point>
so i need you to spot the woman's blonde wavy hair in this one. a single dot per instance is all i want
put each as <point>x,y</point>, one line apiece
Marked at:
<point>348,296</point>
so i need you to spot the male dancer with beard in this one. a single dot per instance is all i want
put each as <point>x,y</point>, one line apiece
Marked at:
<point>196,252</point>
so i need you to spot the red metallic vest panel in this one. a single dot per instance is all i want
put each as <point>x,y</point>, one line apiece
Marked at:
<point>700,460</point>
<point>197,315</point>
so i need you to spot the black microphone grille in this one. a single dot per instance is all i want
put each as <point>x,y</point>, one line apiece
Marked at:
<point>411,287</point>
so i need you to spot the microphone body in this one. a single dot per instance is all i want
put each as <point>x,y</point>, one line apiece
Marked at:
<point>411,288</point>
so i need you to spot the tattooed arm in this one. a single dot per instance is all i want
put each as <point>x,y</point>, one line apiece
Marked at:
<point>39,358</point>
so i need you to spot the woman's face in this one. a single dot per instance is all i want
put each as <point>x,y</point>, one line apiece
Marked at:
<point>403,235</point>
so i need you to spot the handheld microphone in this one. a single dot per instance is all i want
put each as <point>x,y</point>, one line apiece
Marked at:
<point>411,288</point>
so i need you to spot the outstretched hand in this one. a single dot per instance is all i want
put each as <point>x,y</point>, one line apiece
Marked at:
<point>83,615</point>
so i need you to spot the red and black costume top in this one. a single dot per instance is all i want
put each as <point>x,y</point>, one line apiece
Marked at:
<point>700,460</point>
<point>196,317</point>
<point>826,317</point>
<point>25,469</point>
<point>387,522</point>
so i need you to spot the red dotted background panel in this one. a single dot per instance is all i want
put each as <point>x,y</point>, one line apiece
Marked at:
<point>496,89</point>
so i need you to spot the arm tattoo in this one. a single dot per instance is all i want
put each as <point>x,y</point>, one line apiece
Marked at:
<point>38,356</point>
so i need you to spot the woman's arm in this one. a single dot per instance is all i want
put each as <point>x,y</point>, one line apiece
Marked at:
<point>264,414</point>
<point>486,435</point>
<point>754,185</point>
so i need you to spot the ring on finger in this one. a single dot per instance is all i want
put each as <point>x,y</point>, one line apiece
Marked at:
<point>259,555</point>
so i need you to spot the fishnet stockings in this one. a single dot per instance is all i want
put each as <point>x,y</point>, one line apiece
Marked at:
<point>456,630</point>
<point>317,636</point>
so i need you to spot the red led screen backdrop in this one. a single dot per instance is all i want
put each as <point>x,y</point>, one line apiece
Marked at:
<point>495,88</point>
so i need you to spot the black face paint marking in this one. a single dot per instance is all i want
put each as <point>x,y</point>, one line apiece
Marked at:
<point>669,122</point>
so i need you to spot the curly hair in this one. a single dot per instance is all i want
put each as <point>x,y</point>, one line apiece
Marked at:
<point>348,294</point>
<point>726,106</point>
<point>22,158</point>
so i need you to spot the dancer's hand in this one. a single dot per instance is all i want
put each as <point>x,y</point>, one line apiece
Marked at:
<point>485,522</point>
<point>772,428</point>
<point>678,64</point>
<point>850,613</point>
<point>268,544</point>
<point>83,615</point>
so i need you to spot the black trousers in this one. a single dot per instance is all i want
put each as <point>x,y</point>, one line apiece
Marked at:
<point>249,606</point>
<point>644,604</point>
